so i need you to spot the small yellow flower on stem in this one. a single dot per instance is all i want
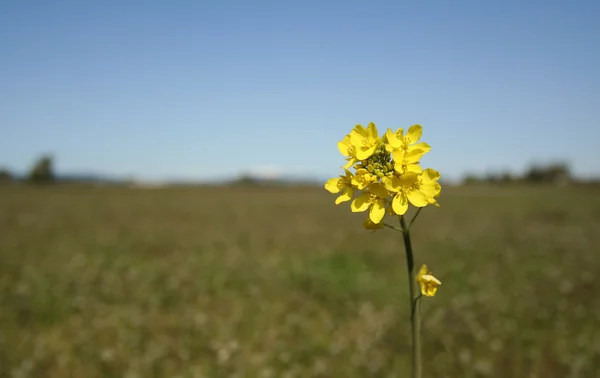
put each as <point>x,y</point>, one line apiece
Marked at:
<point>429,284</point>
<point>408,142</point>
<point>365,141</point>
<point>373,199</point>
<point>347,149</point>
<point>428,184</point>
<point>418,189</point>
<point>369,225</point>
<point>341,184</point>
<point>363,178</point>
<point>407,161</point>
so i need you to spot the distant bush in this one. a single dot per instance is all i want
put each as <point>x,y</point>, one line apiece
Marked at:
<point>42,171</point>
<point>553,173</point>
<point>556,173</point>
<point>5,176</point>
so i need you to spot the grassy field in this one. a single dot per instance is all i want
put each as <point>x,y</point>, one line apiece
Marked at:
<point>276,282</point>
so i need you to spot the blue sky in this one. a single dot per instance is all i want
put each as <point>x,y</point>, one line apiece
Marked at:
<point>206,89</point>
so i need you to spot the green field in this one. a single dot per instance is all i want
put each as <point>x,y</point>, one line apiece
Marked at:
<point>279,282</point>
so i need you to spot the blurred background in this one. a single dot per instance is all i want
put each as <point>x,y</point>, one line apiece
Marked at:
<point>162,210</point>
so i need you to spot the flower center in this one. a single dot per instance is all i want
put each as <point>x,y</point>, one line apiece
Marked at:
<point>379,164</point>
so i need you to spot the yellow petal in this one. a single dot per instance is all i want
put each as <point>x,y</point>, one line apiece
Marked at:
<point>409,179</point>
<point>400,204</point>
<point>369,225</point>
<point>364,154</point>
<point>377,211</point>
<point>392,139</point>
<point>415,168</point>
<point>378,189</point>
<point>393,184</point>
<point>414,133</point>
<point>350,162</point>
<point>420,146</point>
<point>356,139</point>
<point>372,132</point>
<point>345,196</point>
<point>344,145</point>
<point>413,156</point>
<point>332,185</point>
<point>429,285</point>
<point>360,130</point>
<point>430,189</point>
<point>430,175</point>
<point>422,272</point>
<point>398,155</point>
<point>360,203</point>
<point>417,198</point>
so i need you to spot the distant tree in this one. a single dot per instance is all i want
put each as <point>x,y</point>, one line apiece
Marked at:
<point>555,173</point>
<point>471,179</point>
<point>246,180</point>
<point>506,177</point>
<point>492,178</point>
<point>42,171</point>
<point>5,176</point>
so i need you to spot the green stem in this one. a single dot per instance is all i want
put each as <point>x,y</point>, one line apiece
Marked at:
<point>415,323</point>
<point>415,217</point>
<point>393,227</point>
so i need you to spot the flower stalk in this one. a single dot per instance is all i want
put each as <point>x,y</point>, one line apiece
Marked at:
<point>415,316</point>
<point>383,176</point>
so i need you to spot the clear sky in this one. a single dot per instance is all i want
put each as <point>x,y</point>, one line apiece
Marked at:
<point>204,89</point>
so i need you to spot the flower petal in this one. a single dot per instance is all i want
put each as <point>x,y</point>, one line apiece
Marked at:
<point>414,133</point>
<point>422,272</point>
<point>360,203</point>
<point>400,204</point>
<point>409,179</point>
<point>364,154</point>
<point>377,211</point>
<point>398,155</point>
<point>420,146</point>
<point>413,156</point>
<point>350,162</point>
<point>369,225</point>
<point>344,145</point>
<point>345,196</point>
<point>360,129</point>
<point>415,168</point>
<point>372,132</point>
<point>393,184</point>
<point>429,285</point>
<point>431,175</point>
<point>417,198</point>
<point>392,139</point>
<point>332,185</point>
<point>356,139</point>
<point>378,189</point>
<point>430,189</point>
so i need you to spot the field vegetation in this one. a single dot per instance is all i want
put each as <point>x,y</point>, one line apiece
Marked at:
<point>280,282</point>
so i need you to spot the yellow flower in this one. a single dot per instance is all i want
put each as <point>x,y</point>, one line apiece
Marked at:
<point>347,149</point>
<point>369,225</point>
<point>418,189</point>
<point>365,141</point>
<point>406,142</point>
<point>363,178</point>
<point>405,150</point>
<point>429,284</point>
<point>407,161</point>
<point>341,184</point>
<point>374,199</point>
<point>429,185</point>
